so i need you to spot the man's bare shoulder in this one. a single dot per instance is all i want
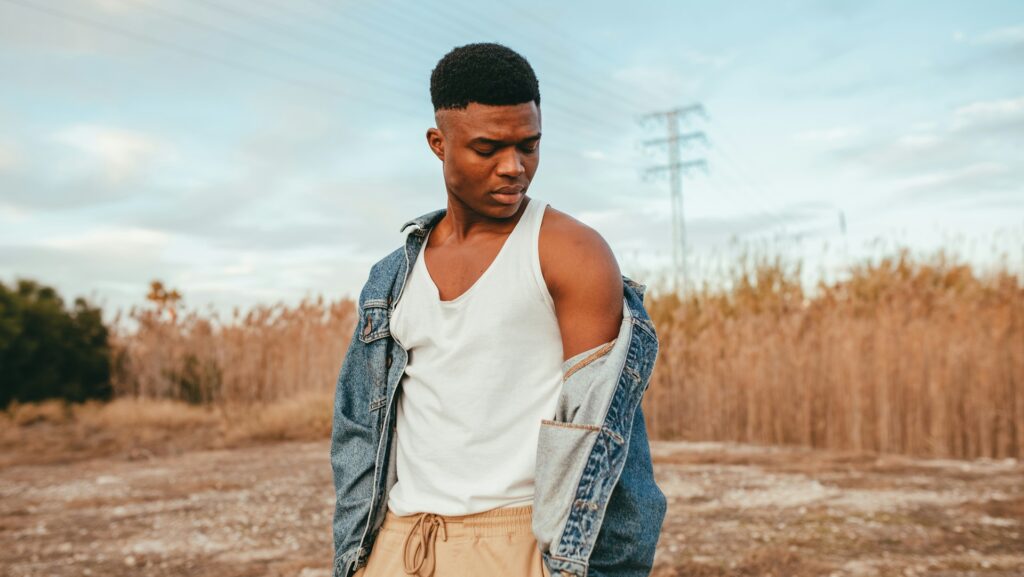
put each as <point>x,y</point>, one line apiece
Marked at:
<point>574,254</point>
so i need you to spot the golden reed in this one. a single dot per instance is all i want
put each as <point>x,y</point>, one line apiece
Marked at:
<point>913,355</point>
<point>916,356</point>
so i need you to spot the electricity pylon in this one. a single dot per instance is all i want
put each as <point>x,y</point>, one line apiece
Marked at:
<point>677,166</point>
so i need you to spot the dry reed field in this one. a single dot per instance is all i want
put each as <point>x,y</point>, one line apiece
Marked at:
<point>268,354</point>
<point>918,355</point>
<point>911,355</point>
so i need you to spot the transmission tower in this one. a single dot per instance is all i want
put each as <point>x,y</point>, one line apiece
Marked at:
<point>677,166</point>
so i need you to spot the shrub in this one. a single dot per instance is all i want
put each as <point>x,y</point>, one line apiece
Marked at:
<point>48,351</point>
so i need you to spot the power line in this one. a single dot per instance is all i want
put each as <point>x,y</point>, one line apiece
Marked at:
<point>585,123</point>
<point>619,99</point>
<point>195,53</point>
<point>259,44</point>
<point>744,183</point>
<point>236,64</point>
<point>435,15</point>
<point>298,39</point>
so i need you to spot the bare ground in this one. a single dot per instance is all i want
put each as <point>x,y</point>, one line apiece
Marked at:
<point>734,510</point>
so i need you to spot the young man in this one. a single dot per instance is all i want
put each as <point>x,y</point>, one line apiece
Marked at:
<point>516,445</point>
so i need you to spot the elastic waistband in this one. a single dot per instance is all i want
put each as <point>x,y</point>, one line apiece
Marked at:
<point>496,522</point>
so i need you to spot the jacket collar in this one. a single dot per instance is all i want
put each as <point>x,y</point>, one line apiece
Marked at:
<point>425,221</point>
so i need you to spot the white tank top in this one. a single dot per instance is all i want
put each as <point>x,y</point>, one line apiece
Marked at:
<point>483,370</point>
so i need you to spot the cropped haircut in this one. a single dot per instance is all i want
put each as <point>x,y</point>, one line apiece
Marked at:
<point>485,73</point>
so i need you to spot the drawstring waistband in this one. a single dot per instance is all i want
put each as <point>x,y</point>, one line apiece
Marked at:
<point>427,525</point>
<point>421,531</point>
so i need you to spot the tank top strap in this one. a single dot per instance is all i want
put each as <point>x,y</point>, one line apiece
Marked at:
<point>530,243</point>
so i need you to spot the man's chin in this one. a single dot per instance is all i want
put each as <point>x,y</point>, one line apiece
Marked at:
<point>497,206</point>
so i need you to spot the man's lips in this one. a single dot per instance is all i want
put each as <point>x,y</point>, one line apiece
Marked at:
<point>508,190</point>
<point>508,194</point>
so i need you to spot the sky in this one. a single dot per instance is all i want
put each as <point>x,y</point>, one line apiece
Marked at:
<point>261,151</point>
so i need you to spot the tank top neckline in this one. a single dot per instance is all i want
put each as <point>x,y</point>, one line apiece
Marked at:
<point>465,294</point>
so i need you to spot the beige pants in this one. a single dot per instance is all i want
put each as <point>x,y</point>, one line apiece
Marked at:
<point>496,542</point>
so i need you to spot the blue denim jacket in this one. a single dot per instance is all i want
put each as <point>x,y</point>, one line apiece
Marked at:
<point>597,511</point>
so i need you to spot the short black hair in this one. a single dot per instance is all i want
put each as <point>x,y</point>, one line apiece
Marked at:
<point>483,72</point>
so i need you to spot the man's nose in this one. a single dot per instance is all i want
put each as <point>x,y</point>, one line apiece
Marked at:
<point>510,164</point>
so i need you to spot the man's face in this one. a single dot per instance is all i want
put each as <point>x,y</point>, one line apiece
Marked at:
<point>490,154</point>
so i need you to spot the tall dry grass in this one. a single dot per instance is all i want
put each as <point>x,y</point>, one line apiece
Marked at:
<point>138,428</point>
<point>914,355</point>
<point>271,353</point>
<point>921,355</point>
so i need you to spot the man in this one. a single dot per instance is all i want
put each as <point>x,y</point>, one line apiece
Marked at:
<point>507,298</point>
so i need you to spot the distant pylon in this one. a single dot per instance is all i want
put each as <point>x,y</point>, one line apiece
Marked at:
<point>676,167</point>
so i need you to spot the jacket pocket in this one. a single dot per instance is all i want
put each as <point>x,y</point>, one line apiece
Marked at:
<point>373,321</point>
<point>562,452</point>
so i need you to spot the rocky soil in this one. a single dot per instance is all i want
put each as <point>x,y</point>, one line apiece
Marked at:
<point>734,510</point>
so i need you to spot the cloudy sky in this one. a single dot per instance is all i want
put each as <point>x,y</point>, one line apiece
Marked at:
<point>262,150</point>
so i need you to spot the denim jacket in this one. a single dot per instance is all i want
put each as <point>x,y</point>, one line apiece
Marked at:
<point>597,511</point>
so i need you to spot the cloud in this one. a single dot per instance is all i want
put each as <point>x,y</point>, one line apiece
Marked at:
<point>117,261</point>
<point>117,154</point>
<point>1000,114</point>
<point>998,202</point>
<point>1008,35</point>
<point>668,81</point>
<point>54,29</point>
<point>918,141</point>
<point>82,165</point>
<point>10,157</point>
<point>968,155</point>
<point>300,180</point>
<point>972,133</point>
<point>707,59</point>
<point>85,165</point>
<point>829,136</point>
<point>978,177</point>
<point>24,190</point>
<point>287,213</point>
<point>110,241</point>
<point>639,228</point>
<point>812,205</point>
<point>996,49</point>
<point>12,213</point>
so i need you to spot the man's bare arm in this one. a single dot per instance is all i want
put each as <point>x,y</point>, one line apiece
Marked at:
<point>584,280</point>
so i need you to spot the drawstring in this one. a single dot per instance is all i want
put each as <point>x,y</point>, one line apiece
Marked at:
<point>427,525</point>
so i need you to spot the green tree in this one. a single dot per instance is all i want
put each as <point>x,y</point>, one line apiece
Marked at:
<point>48,351</point>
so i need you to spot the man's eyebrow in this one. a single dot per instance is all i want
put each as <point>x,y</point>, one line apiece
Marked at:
<point>491,141</point>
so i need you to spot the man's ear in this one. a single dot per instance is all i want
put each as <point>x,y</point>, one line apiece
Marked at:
<point>435,135</point>
<point>435,140</point>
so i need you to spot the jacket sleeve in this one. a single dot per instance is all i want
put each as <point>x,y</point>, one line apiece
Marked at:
<point>352,456</point>
<point>636,507</point>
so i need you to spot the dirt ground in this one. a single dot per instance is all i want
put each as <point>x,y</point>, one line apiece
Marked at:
<point>735,510</point>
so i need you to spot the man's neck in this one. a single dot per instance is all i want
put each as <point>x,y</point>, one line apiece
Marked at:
<point>462,223</point>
